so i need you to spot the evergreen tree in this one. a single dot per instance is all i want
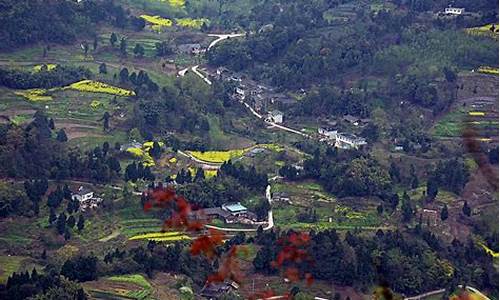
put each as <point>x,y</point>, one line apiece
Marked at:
<point>200,175</point>
<point>407,208</point>
<point>147,174</point>
<point>67,234</point>
<point>61,136</point>
<point>52,216</point>
<point>52,125</point>
<point>71,221</point>
<point>131,172</point>
<point>113,39</point>
<point>67,192</point>
<point>81,223</point>
<point>61,223</point>
<point>155,151</point>
<point>96,42</point>
<point>466,209</point>
<point>444,213</point>
<point>123,46</point>
<point>432,188</point>
<point>124,75</point>
<point>139,50</point>
<point>103,69</point>
<point>105,119</point>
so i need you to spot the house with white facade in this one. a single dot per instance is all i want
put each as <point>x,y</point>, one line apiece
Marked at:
<point>349,141</point>
<point>83,194</point>
<point>328,132</point>
<point>454,11</point>
<point>86,198</point>
<point>240,93</point>
<point>275,116</point>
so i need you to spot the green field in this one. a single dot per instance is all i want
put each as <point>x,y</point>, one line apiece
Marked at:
<point>11,264</point>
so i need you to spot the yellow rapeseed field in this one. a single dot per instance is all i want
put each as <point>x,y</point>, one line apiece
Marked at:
<point>147,160</point>
<point>192,23</point>
<point>484,30</point>
<point>38,68</point>
<point>95,104</point>
<point>488,70</point>
<point>476,113</point>
<point>161,236</point>
<point>35,95</point>
<point>222,156</point>
<point>157,20</point>
<point>99,87</point>
<point>177,3</point>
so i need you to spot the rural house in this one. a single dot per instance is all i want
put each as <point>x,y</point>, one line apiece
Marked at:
<point>83,194</point>
<point>191,49</point>
<point>215,290</point>
<point>329,132</point>
<point>430,216</point>
<point>229,213</point>
<point>275,116</point>
<point>454,11</point>
<point>281,197</point>
<point>86,198</point>
<point>349,141</point>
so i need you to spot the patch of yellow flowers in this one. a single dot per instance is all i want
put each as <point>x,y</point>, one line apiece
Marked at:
<point>161,237</point>
<point>157,20</point>
<point>177,3</point>
<point>95,104</point>
<point>147,160</point>
<point>50,67</point>
<point>99,87</point>
<point>488,70</point>
<point>485,30</point>
<point>35,95</point>
<point>222,156</point>
<point>143,153</point>
<point>192,23</point>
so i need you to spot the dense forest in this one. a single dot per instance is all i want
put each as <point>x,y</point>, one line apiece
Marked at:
<point>61,22</point>
<point>407,263</point>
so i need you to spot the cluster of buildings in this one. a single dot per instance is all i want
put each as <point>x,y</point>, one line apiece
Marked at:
<point>86,198</point>
<point>259,96</point>
<point>340,139</point>
<point>233,213</point>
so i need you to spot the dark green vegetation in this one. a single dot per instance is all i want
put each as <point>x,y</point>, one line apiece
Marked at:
<point>411,210</point>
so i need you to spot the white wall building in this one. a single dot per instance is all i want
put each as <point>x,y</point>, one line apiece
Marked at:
<point>328,132</point>
<point>454,10</point>
<point>349,141</point>
<point>275,116</point>
<point>241,93</point>
<point>83,194</point>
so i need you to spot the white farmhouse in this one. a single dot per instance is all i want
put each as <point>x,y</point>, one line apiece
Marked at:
<point>454,10</point>
<point>241,93</point>
<point>275,116</point>
<point>329,132</point>
<point>349,141</point>
<point>83,194</point>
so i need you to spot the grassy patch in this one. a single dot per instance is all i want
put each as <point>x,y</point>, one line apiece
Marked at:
<point>11,264</point>
<point>137,279</point>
